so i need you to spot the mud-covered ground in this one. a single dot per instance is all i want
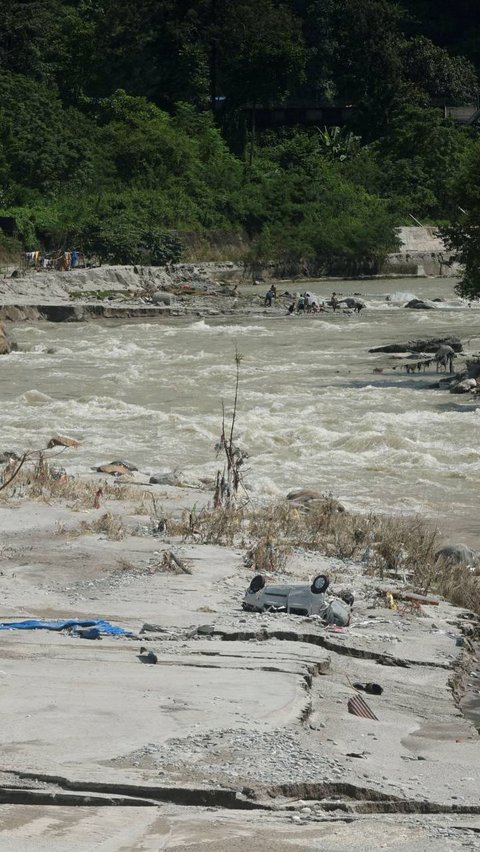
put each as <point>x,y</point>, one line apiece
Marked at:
<point>240,735</point>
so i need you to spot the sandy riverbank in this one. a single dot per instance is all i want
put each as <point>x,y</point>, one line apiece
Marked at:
<point>116,292</point>
<point>240,735</point>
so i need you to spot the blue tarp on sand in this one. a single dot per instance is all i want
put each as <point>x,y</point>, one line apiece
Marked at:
<point>72,624</point>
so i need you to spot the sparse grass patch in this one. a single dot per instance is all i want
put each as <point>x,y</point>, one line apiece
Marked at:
<point>390,547</point>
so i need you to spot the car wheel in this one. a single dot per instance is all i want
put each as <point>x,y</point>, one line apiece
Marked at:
<point>320,584</point>
<point>257,583</point>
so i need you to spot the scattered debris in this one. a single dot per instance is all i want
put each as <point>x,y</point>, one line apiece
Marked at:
<point>73,625</point>
<point>391,594</point>
<point>371,688</point>
<point>148,657</point>
<point>357,706</point>
<point>173,564</point>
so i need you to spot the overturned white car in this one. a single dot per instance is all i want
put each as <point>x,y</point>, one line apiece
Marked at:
<point>262,596</point>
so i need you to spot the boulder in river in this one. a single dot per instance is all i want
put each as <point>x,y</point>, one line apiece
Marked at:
<point>131,467</point>
<point>429,344</point>
<point>457,554</point>
<point>473,368</point>
<point>62,441</point>
<point>164,477</point>
<point>465,386</point>
<point>310,499</point>
<point>8,456</point>
<point>421,305</point>
<point>351,302</point>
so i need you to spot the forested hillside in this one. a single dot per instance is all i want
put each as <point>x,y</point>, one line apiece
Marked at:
<point>129,130</point>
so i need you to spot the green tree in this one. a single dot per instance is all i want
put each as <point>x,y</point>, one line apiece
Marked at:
<point>463,235</point>
<point>436,75</point>
<point>27,28</point>
<point>44,148</point>
<point>418,161</point>
<point>368,67</point>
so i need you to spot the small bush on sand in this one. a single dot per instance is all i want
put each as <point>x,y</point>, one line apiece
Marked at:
<point>108,524</point>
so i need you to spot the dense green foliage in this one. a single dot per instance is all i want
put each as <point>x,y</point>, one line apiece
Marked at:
<point>127,127</point>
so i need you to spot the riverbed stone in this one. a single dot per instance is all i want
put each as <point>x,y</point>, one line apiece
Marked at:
<point>160,297</point>
<point>421,305</point>
<point>422,344</point>
<point>166,476</point>
<point>465,386</point>
<point>457,554</point>
<point>309,498</point>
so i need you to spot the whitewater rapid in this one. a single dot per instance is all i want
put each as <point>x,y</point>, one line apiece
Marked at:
<point>311,410</point>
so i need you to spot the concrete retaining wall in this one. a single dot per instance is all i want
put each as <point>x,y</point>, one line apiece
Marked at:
<point>422,252</point>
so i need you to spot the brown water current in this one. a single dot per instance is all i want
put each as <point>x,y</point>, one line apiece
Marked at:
<point>312,412</point>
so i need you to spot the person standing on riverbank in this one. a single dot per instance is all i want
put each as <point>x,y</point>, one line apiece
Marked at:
<point>268,298</point>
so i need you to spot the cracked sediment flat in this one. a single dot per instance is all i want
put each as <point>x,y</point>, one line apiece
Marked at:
<point>258,709</point>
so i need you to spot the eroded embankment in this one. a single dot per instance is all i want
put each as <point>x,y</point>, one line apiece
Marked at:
<point>338,796</point>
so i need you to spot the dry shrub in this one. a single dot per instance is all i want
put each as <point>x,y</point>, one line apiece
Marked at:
<point>390,545</point>
<point>267,557</point>
<point>460,585</point>
<point>217,526</point>
<point>402,545</point>
<point>44,480</point>
<point>108,524</point>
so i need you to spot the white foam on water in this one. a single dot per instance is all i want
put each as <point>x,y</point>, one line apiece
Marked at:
<point>402,296</point>
<point>203,327</point>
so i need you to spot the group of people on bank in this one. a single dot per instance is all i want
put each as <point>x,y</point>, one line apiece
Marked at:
<point>308,303</point>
